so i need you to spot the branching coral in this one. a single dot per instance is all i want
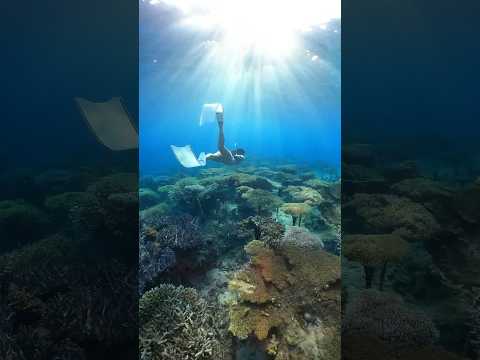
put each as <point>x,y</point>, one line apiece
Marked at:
<point>159,237</point>
<point>374,250</point>
<point>264,228</point>
<point>176,323</point>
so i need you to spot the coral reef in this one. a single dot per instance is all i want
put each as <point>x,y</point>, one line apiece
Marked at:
<point>382,214</point>
<point>176,323</point>
<point>280,288</point>
<point>385,317</point>
<point>297,211</point>
<point>434,209</point>
<point>160,236</point>
<point>20,223</point>
<point>303,194</point>
<point>264,228</point>
<point>262,201</point>
<point>374,250</point>
<point>277,286</point>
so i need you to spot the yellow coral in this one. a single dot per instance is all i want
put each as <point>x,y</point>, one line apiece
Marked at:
<point>375,249</point>
<point>245,320</point>
<point>249,286</point>
<point>272,293</point>
<point>296,211</point>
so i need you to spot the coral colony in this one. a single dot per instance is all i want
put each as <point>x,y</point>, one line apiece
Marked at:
<point>240,263</point>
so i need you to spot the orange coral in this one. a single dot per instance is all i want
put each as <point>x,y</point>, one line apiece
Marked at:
<point>274,288</point>
<point>271,266</point>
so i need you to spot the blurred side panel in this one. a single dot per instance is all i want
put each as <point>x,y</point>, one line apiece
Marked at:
<point>411,191</point>
<point>68,203</point>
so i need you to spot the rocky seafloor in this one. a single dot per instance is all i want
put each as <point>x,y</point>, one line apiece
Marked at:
<point>240,263</point>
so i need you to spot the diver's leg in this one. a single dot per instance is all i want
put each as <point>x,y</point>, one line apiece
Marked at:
<point>221,136</point>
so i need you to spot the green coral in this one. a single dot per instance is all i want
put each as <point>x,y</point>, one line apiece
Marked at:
<point>147,198</point>
<point>261,201</point>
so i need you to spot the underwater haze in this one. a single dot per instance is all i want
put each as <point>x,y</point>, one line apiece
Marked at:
<point>277,107</point>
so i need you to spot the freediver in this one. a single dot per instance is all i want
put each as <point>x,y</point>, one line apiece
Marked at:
<point>223,154</point>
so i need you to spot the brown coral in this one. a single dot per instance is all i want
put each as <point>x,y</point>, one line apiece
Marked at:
<point>381,214</point>
<point>275,288</point>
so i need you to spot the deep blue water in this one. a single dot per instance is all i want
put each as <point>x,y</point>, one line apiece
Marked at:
<point>282,111</point>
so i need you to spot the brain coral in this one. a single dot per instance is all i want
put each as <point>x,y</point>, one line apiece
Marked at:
<point>177,323</point>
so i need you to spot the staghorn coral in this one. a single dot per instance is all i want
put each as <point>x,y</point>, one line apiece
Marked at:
<point>273,291</point>
<point>264,228</point>
<point>297,211</point>
<point>160,236</point>
<point>385,317</point>
<point>59,302</point>
<point>176,323</point>
<point>374,250</point>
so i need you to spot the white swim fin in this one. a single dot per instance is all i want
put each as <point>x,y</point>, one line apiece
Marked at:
<point>110,123</point>
<point>186,157</point>
<point>209,113</point>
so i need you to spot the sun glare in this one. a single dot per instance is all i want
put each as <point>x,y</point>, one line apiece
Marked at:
<point>265,27</point>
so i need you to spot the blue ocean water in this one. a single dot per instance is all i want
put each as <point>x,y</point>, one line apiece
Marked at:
<point>277,109</point>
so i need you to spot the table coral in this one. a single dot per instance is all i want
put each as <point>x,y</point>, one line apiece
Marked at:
<point>374,250</point>
<point>297,211</point>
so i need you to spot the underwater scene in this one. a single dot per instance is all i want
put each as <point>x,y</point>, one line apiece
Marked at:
<point>239,187</point>
<point>410,183</point>
<point>68,204</point>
